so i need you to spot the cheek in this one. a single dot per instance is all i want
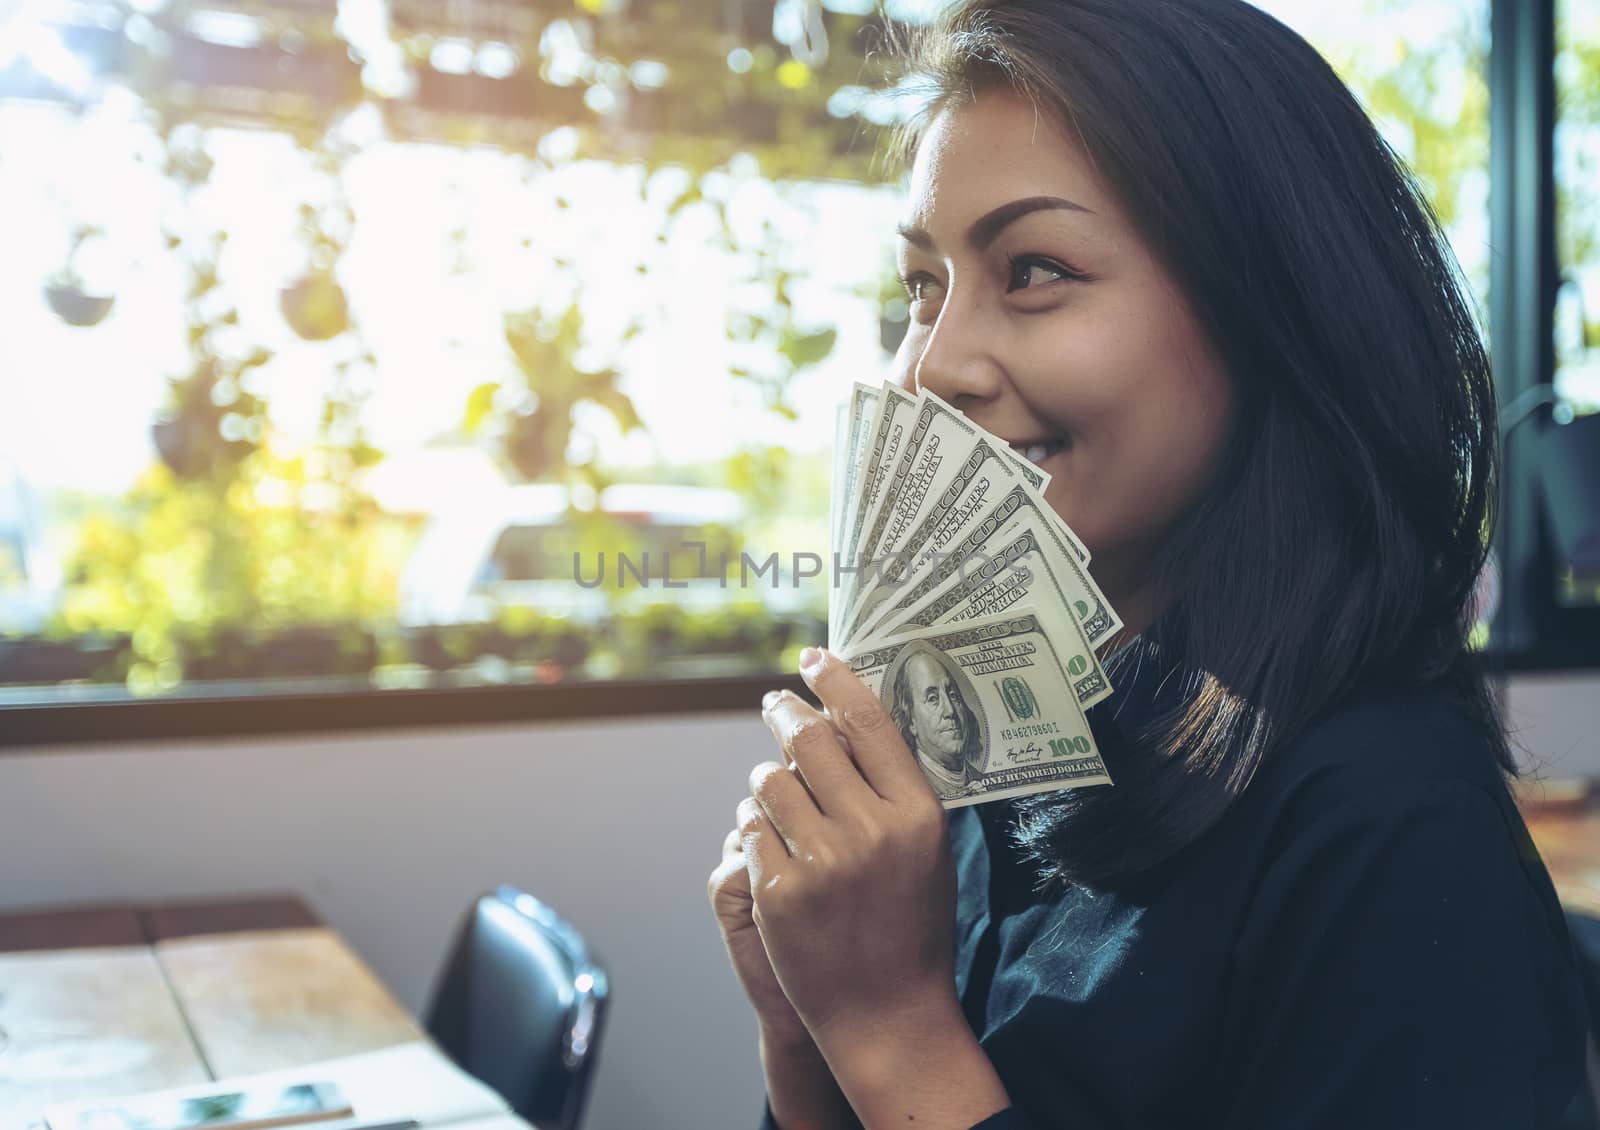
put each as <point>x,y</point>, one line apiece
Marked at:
<point>1149,435</point>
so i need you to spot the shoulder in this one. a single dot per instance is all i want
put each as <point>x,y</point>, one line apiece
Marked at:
<point>1393,906</point>
<point>1387,751</point>
<point>1397,790</point>
<point>1395,796</point>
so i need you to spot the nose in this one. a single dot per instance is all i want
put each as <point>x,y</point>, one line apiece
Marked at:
<point>956,361</point>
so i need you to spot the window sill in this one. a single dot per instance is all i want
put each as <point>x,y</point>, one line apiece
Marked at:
<point>121,721</point>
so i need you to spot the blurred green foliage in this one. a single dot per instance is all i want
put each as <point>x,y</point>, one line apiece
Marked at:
<point>261,546</point>
<point>535,424</point>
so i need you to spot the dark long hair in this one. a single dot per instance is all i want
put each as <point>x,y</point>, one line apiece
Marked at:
<point>1347,526</point>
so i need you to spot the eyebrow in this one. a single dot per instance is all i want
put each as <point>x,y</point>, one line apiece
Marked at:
<point>984,229</point>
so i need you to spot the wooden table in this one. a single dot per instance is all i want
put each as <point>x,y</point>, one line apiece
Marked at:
<point>117,1000</point>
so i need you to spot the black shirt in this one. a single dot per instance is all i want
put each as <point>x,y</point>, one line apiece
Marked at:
<point>1366,939</point>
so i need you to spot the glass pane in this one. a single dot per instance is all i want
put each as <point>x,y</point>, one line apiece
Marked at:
<point>1421,69</point>
<point>344,339</point>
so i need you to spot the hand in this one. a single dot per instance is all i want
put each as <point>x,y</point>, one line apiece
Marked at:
<point>731,902</point>
<point>800,1088</point>
<point>851,876</point>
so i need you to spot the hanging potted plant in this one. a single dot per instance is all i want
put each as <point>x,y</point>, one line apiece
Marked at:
<point>315,305</point>
<point>67,293</point>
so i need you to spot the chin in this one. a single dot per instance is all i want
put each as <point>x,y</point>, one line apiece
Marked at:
<point>1073,515</point>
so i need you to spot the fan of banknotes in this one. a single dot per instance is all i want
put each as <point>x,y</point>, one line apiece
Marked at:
<point>963,599</point>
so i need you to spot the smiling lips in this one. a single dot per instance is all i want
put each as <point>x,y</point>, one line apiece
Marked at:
<point>1038,452</point>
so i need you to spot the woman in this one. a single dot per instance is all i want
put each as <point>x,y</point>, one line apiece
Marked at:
<point>1161,241</point>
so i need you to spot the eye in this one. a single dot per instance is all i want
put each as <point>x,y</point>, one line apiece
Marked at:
<point>916,283</point>
<point>1021,268</point>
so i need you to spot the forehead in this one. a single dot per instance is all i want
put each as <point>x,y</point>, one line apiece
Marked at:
<point>980,152</point>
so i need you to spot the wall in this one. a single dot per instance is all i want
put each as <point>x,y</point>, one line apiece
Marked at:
<point>389,835</point>
<point>1554,720</point>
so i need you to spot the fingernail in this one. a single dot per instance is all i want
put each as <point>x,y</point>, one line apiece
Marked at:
<point>768,699</point>
<point>809,658</point>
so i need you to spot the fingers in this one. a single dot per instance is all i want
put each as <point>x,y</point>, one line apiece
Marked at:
<point>880,751</point>
<point>809,740</point>
<point>786,804</point>
<point>764,850</point>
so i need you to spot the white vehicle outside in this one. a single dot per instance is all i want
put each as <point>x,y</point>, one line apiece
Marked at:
<point>30,575</point>
<point>514,548</point>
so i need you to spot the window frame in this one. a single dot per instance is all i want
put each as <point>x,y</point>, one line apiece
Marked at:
<point>236,715</point>
<point>1530,631</point>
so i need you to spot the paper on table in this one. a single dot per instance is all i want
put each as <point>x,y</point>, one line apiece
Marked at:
<point>411,1080</point>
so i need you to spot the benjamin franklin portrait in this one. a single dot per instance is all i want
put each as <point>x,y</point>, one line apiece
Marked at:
<point>936,722</point>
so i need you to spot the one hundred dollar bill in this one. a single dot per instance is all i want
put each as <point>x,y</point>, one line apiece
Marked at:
<point>941,453</point>
<point>1008,571</point>
<point>986,707</point>
<point>857,415</point>
<point>1035,476</point>
<point>836,482</point>
<point>982,484</point>
<point>945,563</point>
<point>934,448</point>
<point>885,439</point>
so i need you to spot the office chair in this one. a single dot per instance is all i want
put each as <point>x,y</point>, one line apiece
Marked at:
<point>520,1005</point>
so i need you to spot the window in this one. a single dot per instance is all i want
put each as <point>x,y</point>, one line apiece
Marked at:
<point>344,338</point>
<point>280,426</point>
<point>1421,70</point>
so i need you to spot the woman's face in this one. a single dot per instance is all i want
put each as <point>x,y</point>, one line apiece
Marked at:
<point>1037,311</point>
